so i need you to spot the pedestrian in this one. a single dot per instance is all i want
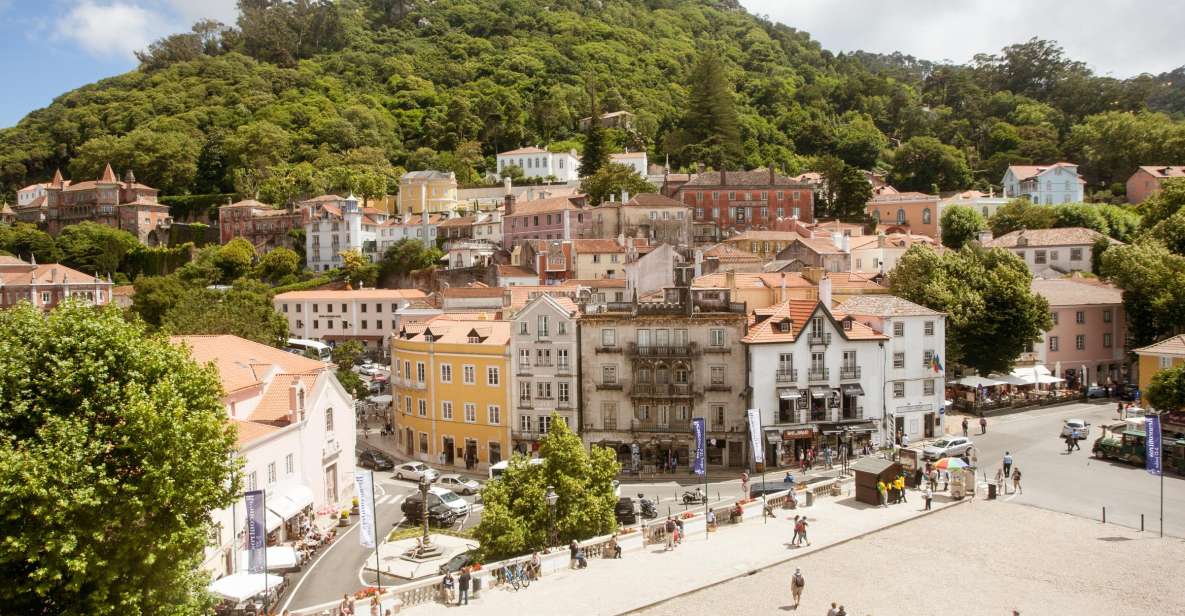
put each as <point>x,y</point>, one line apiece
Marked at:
<point>1119,409</point>
<point>904,441</point>
<point>446,588</point>
<point>794,541</point>
<point>802,531</point>
<point>572,549</point>
<point>1007,463</point>
<point>983,425</point>
<point>745,483</point>
<point>344,607</point>
<point>882,489</point>
<point>1069,444</point>
<point>463,587</point>
<point>827,457</point>
<point>974,457</point>
<point>374,606</point>
<point>678,531</point>
<point>999,481</point>
<point>670,528</point>
<point>797,582</point>
<point>927,495</point>
<point>834,611</point>
<point>918,476</point>
<point>965,424</point>
<point>614,548</point>
<point>901,488</point>
<point>1076,436</point>
<point>934,479</point>
<point>1016,481</point>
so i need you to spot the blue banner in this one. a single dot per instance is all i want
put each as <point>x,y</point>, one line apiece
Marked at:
<point>256,532</point>
<point>697,430</point>
<point>1152,444</point>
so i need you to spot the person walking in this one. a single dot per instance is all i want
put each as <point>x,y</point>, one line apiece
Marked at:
<point>446,588</point>
<point>927,495</point>
<point>797,583</point>
<point>670,529</point>
<point>934,479</point>
<point>573,547</point>
<point>983,425</point>
<point>463,587</point>
<point>678,531</point>
<point>745,482</point>
<point>1016,481</point>
<point>802,531</point>
<point>1076,435</point>
<point>1007,463</point>
<point>965,424</point>
<point>794,541</point>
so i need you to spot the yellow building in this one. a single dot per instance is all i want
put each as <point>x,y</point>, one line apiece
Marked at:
<point>436,188</point>
<point>1156,357</point>
<point>451,392</point>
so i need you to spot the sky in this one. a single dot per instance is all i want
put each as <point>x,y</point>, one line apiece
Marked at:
<point>48,47</point>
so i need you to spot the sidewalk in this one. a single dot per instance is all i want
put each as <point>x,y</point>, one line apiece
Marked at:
<point>389,446</point>
<point>650,575</point>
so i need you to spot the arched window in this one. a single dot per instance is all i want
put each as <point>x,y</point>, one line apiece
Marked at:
<point>926,216</point>
<point>900,216</point>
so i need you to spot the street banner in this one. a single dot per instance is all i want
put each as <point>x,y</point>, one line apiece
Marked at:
<point>1153,463</point>
<point>697,429</point>
<point>256,532</point>
<point>365,508</point>
<point>756,437</point>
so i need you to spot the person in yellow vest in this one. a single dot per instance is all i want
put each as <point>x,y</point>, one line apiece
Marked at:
<point>899,483</point>
<point>882,489</point>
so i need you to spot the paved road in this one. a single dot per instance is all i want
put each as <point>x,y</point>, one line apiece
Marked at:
<point>1077,483</point>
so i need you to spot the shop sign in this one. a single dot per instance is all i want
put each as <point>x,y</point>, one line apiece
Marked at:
<point>790,435</point>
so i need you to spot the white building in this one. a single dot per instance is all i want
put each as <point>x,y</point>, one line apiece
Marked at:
<point>814,373</point>
<point>414,227</point>
<point>914,391</point>
<point>542,164</point>
<point>985,203</point>
<point>336,224</point>
<point>1049,253</point>
<point>370,316</point>
<point>634,160</point>
<point>1044,184</point>
<point>543,347</point>
<point>296,437</point>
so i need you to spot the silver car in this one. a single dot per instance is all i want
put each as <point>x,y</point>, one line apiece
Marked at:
<point>459,484</point>
<point>415,470</point>
<point>948,447</point>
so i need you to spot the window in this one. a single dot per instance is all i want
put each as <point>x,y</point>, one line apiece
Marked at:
<point>1053,317</point>
<point>1107,316</point>
<point>1039,257</point>
<point>717,337</point>
<point>609,415</point>
<point>446,410</point>
<point>1106,341</point>
<point>363,307</point>
<point>424,442</point>
<point>522,328</point>
<point>524,391</point>
<point>286,307</point>
<point>469,375</point>
<point>271,472</point>
<point>524,423</point>
<point>1053,343</point>
<point>561,328</point>
<point>609,375</point>
<point>422,406</point>
<point>562,390</point>
<point>718,417</point>
<point>524,359</point>
<point>608,337</point>
<point>470,412</point>
<point>899,360</point>
<point>1075,254</point>
<point>1080,317</point>
<point>420,371</point>
<point>1080,342</point>
<point>717,373</point>
<point>495,414</point>
<point>898,389</point>
<point>315,307</point>
<point>407,404</point>
<point>928,328</point>
<point>544,423</point>
<point>561,359</point>
<point>1166,362</point>
<point>900,217</point>
<point>544,389</point>
<point>898,329</point>
<point>928,387</point>
<point>329,420</point>
<point>446,373</point>
<point>252,482</point>
<point>493,377</point>
<point>378,307</point>
<point>926,216</point>
<point>289,464</point>
<point>927,359</point>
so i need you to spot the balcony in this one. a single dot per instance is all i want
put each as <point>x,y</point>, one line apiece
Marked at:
<point>817,338</point>
<point>609,387</point>
<point>670,350</point>
<point>527,435</point>
<point>600,348</point>
<point>526,403</point>
<point>849,373</point>
<point>718,387</point>
<point>787,376</point>
<point>651,425</point>
<point>661,390</point>
<point>564,405</point>
<point>821,375</point>
<point>851,414</point>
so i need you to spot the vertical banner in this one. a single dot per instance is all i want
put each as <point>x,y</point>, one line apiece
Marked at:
<point>1152,451</point>
<point>256,532</point>
<point>365,508</point>
<point>756,437</point>
<point>697,430</point>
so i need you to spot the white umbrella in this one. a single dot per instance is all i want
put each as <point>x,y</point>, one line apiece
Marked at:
<point>239,587</point>
<point>978,381</point>
<point>279,558</point>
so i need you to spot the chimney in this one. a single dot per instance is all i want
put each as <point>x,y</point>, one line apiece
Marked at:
<point>625,197</point>
<point>508,203</point>
<point>293,401</point>
<point>985,235</point>
<point>773,176</point>
<point>782,297</point>
<point>825,292</point>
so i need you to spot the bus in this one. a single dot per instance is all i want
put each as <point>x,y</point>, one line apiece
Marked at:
<point>308,348</point>
<point>498,468</point>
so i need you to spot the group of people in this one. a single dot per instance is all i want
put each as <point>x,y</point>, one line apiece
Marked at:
<point>800,537</point>
<point>1008,470</point>
<point>892,491</point>
<point>462,583</point>
<point>982,426</point>
<point>1072,439</point>
<point>673,529</point>
<point>347,607</point>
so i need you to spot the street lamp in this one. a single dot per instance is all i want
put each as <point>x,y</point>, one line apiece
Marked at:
<point>846,439</point>
<point>425,545</point>
<point>552,498</point>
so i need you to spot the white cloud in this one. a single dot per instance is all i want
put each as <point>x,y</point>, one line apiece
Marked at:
<point>1112,36</point>
<point>115,29</point>
<point>190,11</point>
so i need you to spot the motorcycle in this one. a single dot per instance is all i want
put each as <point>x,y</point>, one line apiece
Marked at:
<point>694,497</point>
<point>647,508</point>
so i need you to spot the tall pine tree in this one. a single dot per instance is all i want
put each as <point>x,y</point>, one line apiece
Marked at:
<point>711,129</point>
<point>596,150</point>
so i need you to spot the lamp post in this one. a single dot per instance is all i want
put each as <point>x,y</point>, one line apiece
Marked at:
<point>552,499</point>
<point>846,439</point>
<point>425,544</point>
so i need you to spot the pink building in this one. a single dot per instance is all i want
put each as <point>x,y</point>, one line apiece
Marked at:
<point>125,205</point>
<point>1086,345</point>
<point>550,218</point>
<point>46,286</point>
<point>1147,180</point>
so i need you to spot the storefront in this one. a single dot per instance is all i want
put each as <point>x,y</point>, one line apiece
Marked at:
<point>786,445</point>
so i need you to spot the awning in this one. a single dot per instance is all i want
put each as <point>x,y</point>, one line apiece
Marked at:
<point>977,381</point>
<point>273,520</point>
<point>789,394</point>
<point>852,390</point>
<point>241,586</point>
<point>1012,379</point>
<point>290,499</point>
<point>279,558</point>
<point>819,392</point>
<point>1046,379</point>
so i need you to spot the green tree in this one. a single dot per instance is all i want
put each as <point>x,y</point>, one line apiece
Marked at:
<point>516,518</point>
<point>960,224</point>
<point>348,353</point>
<point>233,259</point>
<point>859,142</point>
<point>846,191</point>
<point>357,269</point>
<point>95,249</point>
<point>277,265</point>
<point>514,172</point>
<point>1153,283</point>
<point>1167,390</point>
<point>117,445</point>
<point>596,148</point>
<point>245,311</point>
<point>992,313</point>
<point>1163,204</point>
<point>408,255</point>
<point>613,179</point>
<point>1021,214</point>
<point>926,164</point>
<point>28,242</point>
<point>710,130</point>
<point>155,296</point>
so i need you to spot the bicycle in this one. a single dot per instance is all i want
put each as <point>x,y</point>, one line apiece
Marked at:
<point>516,576</point>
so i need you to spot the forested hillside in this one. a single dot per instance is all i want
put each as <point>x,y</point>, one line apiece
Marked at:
<point>307,95</point>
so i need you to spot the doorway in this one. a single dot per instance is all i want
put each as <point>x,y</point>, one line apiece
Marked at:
<point>449,450</point>
<point>410,442</point>
<point>898,428</point>
<point>331,484</point>
<point>470,453</point>
<point>929,425</point>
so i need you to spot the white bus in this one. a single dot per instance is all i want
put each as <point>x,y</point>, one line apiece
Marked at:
<point>498,468</point>
<point>309,347</point>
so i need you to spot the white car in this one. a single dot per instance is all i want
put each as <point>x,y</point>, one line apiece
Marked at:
<point>367,370</point>
<point>448,499</point>
<point>948,447</point>
<point>415,470</point>
<point>1070,425</point>
<point>459,484</point>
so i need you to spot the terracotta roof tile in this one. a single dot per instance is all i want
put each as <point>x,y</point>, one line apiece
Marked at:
<point>526,150</point>
<point>1160,171</point>
<point>251,431</point>
<point>240,362</point>
<point>884,306</point>
<point>1074,292</point>
<point>653,200</point>
<point>1066,236</point>
<point>727,253</point>
<point>797,313</point>
<point>1169,346</point>
<point>543,206</point>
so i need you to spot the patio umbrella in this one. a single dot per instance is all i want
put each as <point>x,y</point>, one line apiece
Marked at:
<point>950,464</point>
<point>242,586</point>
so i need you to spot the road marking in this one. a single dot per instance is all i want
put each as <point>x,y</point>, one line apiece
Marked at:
<point>309,572</point>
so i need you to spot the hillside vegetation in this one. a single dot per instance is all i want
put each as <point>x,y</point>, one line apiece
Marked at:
<point>307,95</point>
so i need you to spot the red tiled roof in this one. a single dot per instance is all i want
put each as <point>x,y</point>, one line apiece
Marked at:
<point>543,206</point>
<point>727,253</point>
<point>1162,171</point>
<point>1075,292</point>
<point>797,313</point>
<point>1066,236</point>
<point>653,200</point>
<point>1169,346</point>
<point>1024,172</point>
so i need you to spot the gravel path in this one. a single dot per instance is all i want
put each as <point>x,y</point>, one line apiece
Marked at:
<point>980,558</point>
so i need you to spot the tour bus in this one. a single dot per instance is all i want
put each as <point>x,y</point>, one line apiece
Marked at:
<point>498,468</point>
<point>303,347</point>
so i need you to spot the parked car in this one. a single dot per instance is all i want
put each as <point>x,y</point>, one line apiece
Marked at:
<point>948,447</point>
<point>1096,391</point>
<point>624,511</point>
<point>415,470</point>
<point>448,499</point>
<point>1070,425</point>
<point>459,484</point>
<point>454,564</point>
<point>375,460</point>
<point>438,514</point>
<point>367,370</point>
<point>1129,392</point>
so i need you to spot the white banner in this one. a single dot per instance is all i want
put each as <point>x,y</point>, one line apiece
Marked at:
<point>365,485</point>
<point>756,437</point>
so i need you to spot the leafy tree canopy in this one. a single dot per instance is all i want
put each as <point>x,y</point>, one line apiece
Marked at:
<point>1167,390</point>
<point>960,224</point>
<point>94,248</point>
<point>1153,283</point>
<point>613,179</point>
<point>245,311</point>
<point>408,255</point>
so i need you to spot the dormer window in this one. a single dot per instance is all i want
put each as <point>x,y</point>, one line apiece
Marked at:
<point>847,325</point>
<point>474,340</point>
<point>784,327</point>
